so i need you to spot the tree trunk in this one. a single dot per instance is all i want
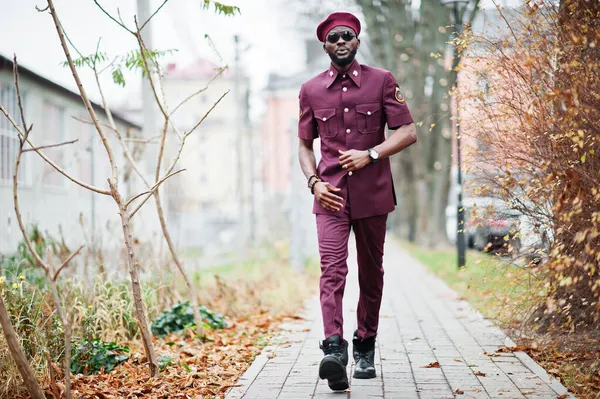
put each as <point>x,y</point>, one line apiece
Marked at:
<point>16,351</point>
<point>403,43</point>
<point>140,308</point>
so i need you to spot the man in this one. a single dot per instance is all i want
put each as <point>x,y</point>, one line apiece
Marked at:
<point>347,107</point>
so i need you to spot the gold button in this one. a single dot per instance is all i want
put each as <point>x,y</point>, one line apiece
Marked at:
<point>347,131</point>
<point>346,110</point>
<point>345,89</point>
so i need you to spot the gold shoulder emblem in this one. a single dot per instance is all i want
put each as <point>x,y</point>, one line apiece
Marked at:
<point>398,95</point>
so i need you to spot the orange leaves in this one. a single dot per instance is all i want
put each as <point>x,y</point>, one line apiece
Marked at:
<point>432,365</point>
<point>198,369</point>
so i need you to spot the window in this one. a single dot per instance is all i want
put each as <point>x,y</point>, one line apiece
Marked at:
<point>9,140</point>
<point>53,133</point>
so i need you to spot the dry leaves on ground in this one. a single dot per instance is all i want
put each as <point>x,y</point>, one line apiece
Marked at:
<point>433,365</point>
<point>192,369</point>
<point>574,359</point>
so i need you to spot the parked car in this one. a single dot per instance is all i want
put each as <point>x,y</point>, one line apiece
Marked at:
<point>490,224</point>
<point>536,238</point>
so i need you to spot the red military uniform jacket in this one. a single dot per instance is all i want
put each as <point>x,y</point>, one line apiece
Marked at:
<point>351,112</point>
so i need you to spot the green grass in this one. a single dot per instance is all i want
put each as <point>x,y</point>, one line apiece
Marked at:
<point>502,291</point>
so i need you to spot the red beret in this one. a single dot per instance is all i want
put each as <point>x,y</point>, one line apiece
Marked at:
<point>337,19</point>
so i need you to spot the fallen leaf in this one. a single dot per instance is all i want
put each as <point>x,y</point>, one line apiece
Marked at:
<point>563,396</point>
<point>458,360</point>
<point>226,387</point>
<point>459,391</point>
<point>479,373</point>
<point>491,354</point>
<point>511,349</point>
<point>432,365</point>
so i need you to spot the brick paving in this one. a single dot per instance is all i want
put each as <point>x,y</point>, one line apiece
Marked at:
<point>422,321</point>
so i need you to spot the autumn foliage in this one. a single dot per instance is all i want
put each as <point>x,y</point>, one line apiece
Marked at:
<point>531,116</point>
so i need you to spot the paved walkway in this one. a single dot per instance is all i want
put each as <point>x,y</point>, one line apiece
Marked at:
<point>422,322</point>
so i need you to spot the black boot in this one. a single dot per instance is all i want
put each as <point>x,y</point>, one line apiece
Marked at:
<point>364,357</point>
<point>333,365</point>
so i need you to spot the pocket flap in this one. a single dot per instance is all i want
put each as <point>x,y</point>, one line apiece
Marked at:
<point>367,109</point>
<point>324,114</point>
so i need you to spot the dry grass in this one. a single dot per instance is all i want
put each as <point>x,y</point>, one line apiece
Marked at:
<point>247,292</point>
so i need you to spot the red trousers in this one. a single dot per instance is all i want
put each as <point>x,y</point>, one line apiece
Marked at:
<point>333,233</point>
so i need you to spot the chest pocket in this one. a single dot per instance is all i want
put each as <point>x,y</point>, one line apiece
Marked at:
<point>327,122</point>
<point>368,118</point>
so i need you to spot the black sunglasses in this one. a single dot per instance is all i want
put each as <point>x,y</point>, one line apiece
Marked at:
<point>333,37</point>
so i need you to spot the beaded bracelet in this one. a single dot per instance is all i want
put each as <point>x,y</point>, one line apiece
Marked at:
<point>312,186</point>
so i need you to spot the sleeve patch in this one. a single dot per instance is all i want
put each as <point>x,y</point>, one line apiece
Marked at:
<point>398,95</point>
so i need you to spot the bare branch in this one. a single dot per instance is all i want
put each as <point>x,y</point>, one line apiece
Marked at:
<point>82,91</point>
<point>16,350</point>
<point>141,140</point>
<point>109,65</point>
<point>121,24</point>
<point>24,137</point>
<point>22,140</point>
<point>66,262</point>
<point>71,43</point>
<point>40,9</point>
<point>19,100</point>
<point>92,123</point>
<point>206,114</point>
<point>120,17</point>
<point>149,193</point>
<point>113,126</point>
<point>182,143</point>
<point>51,145</point>
<point>198,92</point>
<point>152,16</point>
<point>132,139</point>
<point>143,49</point>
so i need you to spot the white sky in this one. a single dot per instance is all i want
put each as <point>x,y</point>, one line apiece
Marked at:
<point>181,24</point>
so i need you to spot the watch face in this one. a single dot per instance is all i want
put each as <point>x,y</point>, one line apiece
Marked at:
<point>374,154</point>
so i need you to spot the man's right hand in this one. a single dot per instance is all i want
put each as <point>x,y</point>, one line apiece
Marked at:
<point>324,193</point>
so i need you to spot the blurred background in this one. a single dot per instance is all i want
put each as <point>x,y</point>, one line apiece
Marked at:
<point>242,189</point>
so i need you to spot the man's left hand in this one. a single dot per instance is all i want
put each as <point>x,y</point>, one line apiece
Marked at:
<point>353,160</point>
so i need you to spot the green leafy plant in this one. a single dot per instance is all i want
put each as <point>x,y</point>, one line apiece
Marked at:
<point>132,60</point>
<point>181,317</point>
<point>221,8</point>
<point>164,361</point>
<point>95,356</point>
<point>21,262</point>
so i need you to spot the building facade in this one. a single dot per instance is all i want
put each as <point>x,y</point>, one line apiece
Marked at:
<point>211,203</point>
<point>57,205</point>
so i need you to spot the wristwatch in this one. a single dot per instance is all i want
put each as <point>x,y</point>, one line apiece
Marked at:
<point>373,154</point>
